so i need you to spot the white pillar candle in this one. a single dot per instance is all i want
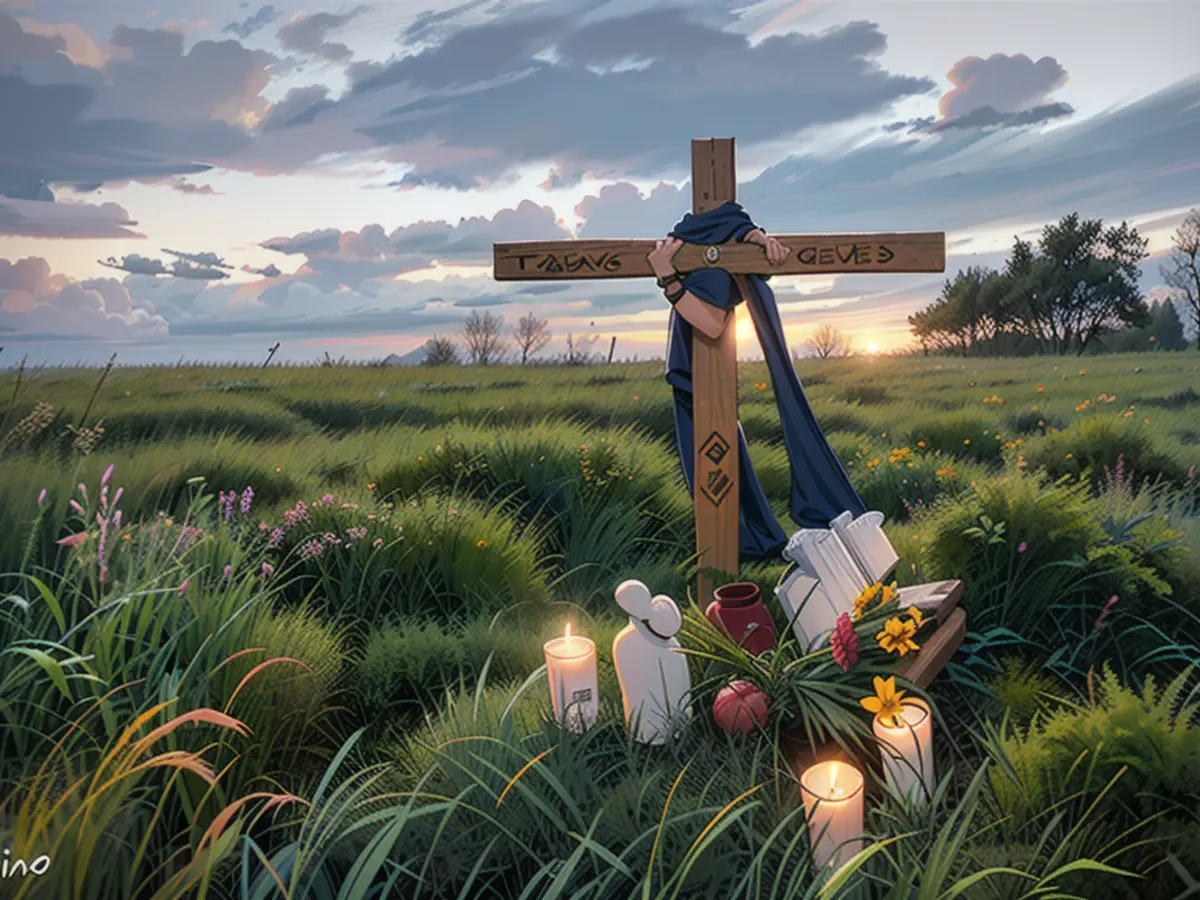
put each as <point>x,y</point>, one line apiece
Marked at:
<point>907,750</point>
<point>833,802</point>
<point>571,668</point>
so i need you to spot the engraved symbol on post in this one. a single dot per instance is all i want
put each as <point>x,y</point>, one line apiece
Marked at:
<point>712,254</point>
<point>716,484</point>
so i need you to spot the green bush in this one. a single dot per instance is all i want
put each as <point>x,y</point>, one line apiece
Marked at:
<point>900,483</point>
<point>961,434</point>
<point>1094,443</point>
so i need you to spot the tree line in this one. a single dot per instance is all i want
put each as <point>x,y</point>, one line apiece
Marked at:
<point>1074,291</point>
<point>483,342</point>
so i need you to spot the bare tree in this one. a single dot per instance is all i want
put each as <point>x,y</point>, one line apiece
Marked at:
<point>483,337</point>
<point>827,341</point>
<point>531,335</point>
<point>1182,273</point>
<point>440,351</point>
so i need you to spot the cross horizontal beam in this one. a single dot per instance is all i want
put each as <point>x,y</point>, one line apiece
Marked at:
<point>809,254</point>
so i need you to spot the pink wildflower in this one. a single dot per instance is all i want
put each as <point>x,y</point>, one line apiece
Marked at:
<point>247,500</point>
<point>1108,608</point>
<point>267,568</point>
<point>183,587</point>
<point>328,498</point>
<point>844,642</point>
<point>74,540</point>
<point>275,539</point>
<point>263,526</point>
<point>42,497</point>
<point>311,549</point>
<point>357,533</point>
<point>76,507</point>
<point>82,488</point>
<point>1022,547</point>
<point>228,571</point>
<point>107,475</point>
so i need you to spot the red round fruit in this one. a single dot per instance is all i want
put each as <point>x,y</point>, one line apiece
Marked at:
<point>740,706</point>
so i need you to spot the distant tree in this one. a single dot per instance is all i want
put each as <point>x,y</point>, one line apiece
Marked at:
<point>827,341</point>
<point>1164,332</point>
<point>483,337</point>
<point>1080,283</point>
<point>531,335</point>
<point>1182,272</point>
<point>440,351</point>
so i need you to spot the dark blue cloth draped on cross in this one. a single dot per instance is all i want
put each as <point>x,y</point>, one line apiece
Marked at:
<point>820,487</point>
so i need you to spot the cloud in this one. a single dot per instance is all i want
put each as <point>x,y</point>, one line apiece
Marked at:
<point>46,219</point>
<point>186,187</point>
<point>621,210</point>
<point>152,111</point>
<point>300,106</point>
<point>135,264</point>
<point>307,242</point>
<point>204,258</point>
<point>36,304</point>
<point>484,301</point>
<point>307,33</point>
<point>989,117</point>
<point>1008,84</point>
<point>268,271</point>
<point>183,269</point>
<point>551,88</point>
<point>248,26</point>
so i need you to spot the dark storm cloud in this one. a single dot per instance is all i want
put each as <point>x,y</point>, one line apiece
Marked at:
<point>46,219</point>
<point>299,106</point>
<point>307,34</point>
<point>1008,84</point>
<point>261,19</point>
<point>510,104</point>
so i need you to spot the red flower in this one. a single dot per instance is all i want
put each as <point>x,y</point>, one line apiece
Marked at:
<point>844,642</point>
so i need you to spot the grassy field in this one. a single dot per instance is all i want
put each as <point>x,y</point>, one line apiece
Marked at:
<point>323,684</point>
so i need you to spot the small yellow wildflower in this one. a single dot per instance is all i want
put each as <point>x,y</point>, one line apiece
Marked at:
<point>966,441</point>
<point>371,487</point>
<point>873,463</point>
<point>481,543</point>
<point>1146,421</point>
<point>878,591</point>
<point>1070,456</point>
<point>420,459</point>
<point>917,616</point>
<point>945,472</point>
<point>1041,389</point>
<point>921,444</point>
<point>897,636</point>
<point>887,702</point>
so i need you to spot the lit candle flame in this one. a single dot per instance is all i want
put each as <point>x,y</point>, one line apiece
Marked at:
<point>568,631</point>
<point>833,777</point>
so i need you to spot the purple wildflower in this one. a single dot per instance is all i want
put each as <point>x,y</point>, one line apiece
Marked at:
<point>328,498</point>
<point>229,500</point>
<point>311,549</point>
<point>247,499</point>
<point>76,507</point>
<point>1022,547</point>
<point>42,497</point>
<point>357,533</point>
<point>275,539</point>
<point>228,572</point>
<point>378,542</point>
<point>102,547</point>
<point>107,475</point>
<point>117,496</point>
<point>267,568</point>
<point>116,520</point>
<point>294,516</point>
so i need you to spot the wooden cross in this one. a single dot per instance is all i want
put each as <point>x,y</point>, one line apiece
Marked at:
<point>714,361</point>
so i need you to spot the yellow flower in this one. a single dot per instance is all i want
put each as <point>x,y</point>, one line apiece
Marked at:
<point>916,615</point>
<point>945,472</point>
<point>1041,389</point>
<point>1083,371</point>
<point>921,444</point>
<point>884,593</point>
<point>481,543</point>
<point>873,463</point>
<point>966,441</point>
<point>420,459</point>
<point>1070,456</point>
<point>897,636</point>
<point>370,487</point>
<point>886,703</point>
<point>762,385</point>
<point>1146,421</point>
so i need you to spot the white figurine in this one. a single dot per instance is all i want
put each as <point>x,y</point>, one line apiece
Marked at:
<point>652,670</point>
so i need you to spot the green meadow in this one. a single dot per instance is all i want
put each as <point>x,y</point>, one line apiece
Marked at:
<point>328,685</point>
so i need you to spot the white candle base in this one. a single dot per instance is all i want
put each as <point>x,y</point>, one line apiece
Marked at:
<point>833,802</point>
<point>571,670</point>
<point>907,751</point>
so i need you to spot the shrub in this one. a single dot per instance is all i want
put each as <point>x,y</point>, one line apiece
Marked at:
<point>1084,450</point>
<point>962,434</point>
<point>434,556</point>
<point>900,483</point>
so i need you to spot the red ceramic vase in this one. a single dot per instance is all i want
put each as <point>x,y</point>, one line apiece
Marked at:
<point>739,611</point>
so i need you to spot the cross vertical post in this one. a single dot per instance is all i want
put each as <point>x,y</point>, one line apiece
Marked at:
<point>714,396</point>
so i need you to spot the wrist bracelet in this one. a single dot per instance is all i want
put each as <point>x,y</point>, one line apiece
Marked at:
<point>674,296</point>
<point>663,282</point>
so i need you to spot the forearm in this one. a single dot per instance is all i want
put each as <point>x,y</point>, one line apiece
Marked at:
<point>709,319</point>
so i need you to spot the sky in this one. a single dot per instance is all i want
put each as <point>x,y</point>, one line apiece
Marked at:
<point>204,178</point>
